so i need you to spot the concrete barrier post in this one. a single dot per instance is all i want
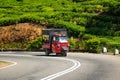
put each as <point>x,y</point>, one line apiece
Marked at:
<point>104,50</point>
<point>116,52</point>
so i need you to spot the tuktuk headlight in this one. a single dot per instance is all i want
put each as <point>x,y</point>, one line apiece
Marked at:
<point>58,45</point>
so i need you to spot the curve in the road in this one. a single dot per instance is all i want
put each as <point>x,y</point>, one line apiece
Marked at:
<point>74,67</point>
<point>76,64</point>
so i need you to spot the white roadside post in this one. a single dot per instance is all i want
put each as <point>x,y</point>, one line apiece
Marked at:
<point>116,52</point>
<point>104,50</point>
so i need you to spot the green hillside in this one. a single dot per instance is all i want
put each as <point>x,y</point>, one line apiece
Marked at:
<point>84,19</point>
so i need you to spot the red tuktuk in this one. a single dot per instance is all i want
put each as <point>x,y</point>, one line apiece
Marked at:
<point>55,41</point>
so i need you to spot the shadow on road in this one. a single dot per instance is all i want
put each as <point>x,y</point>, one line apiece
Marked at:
<point>53,55</point>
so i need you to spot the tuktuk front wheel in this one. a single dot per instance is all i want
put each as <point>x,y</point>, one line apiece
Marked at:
<point>64,53</point>
<point>47,52</point>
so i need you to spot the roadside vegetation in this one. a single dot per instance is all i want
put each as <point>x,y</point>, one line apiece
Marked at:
<point>94,23</point>
<point>21,36</point>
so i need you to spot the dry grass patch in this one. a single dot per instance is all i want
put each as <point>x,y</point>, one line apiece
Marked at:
<point>20,32</point>
<point>4,63</point>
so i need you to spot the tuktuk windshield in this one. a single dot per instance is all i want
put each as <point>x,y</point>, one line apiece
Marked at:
<point>61,39</point>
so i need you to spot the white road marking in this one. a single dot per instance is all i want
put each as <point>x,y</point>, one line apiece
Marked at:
<point>74,67</point>
<point>13,64</point>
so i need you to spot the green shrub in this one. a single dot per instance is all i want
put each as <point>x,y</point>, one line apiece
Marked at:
<point>89,36</point>
<point>19,0</point>
<point>30,45</point>
<point>81,21</point>
<point>96,17</point>
<point>47,9</point>
<point>73,29</point>
<point>14,45</point>
<point>80,45</point>
<point>111,47</point>
<point>111,43</point>
<point>35,44</point>
<point>93,45</point>
<point>8,21</point>
<point>72,42</point>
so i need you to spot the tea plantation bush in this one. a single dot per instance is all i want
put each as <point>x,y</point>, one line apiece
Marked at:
<point>92,45</point>
<point>79,17</point>
<point>35,44</point>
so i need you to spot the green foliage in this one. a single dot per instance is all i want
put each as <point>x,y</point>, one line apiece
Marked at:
<point>80,45</point>
<point>14,45</point>
<point>89,36</point>
<point>19,0</point>
<point>78,0</point>
<point>35,44</point>
<point>47,9</point>
<point>73,29</point>
<point>111,43</point>
<point>92,45</point>
<point>30,45</point>
<point>72,42</point>
<point>81,21</point>
<point>79,17</point>
<point>87,14</point>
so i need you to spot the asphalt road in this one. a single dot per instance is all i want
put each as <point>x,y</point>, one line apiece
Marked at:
<point>36,66</point>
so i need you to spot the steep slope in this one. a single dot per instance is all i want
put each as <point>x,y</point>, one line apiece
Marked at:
<point>83,19</point>
<point>94,15</point>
